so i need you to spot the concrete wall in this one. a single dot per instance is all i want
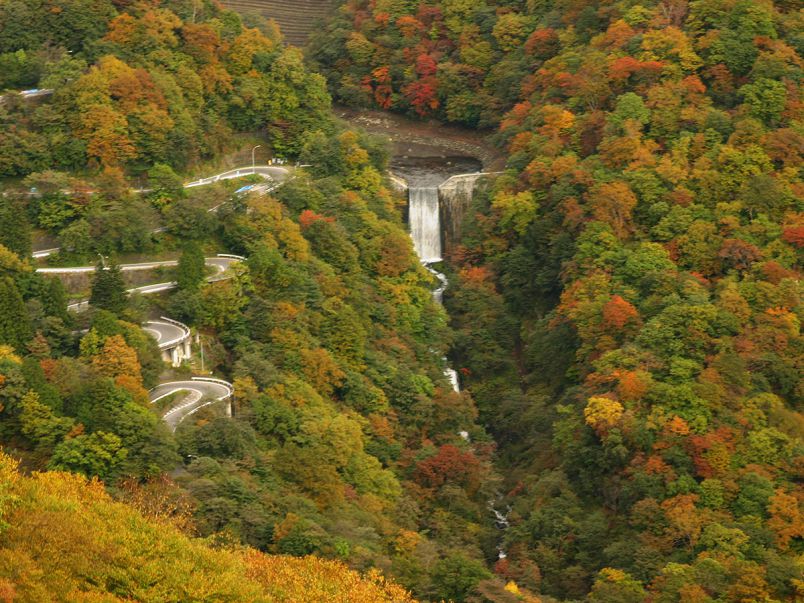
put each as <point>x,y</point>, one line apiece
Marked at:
<point>455,197</point>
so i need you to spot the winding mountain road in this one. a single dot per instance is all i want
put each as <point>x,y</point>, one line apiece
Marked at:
<point>199,393</point>
<point>163,332</point>
<point>221,263</point>
<point>26,94</point>
<point>274,175</point>
<point>168,333</point>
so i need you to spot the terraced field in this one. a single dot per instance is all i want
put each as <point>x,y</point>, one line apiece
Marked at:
<point>296,18</point>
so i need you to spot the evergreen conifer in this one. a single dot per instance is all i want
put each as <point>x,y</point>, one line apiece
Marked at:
<point>16,230</point>
<point>108,289</point>
<point>190,273</point>
<point>15,326</point>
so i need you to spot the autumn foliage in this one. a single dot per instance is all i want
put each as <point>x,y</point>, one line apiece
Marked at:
<point>47,552</point>
<point>626,296</point>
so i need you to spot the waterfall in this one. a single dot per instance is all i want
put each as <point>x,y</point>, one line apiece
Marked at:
<point>438,293</point>
<point>424,217</point>
<point>502,524</point>
<point>452,375</point>
<point>425,229</point>
<point>438,296</point>
<point>425,223</point>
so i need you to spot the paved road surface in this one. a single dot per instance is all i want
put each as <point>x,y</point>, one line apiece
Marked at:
<point>199,393</point>
<point>123,267</point>
<point>165,333</point>
<point>26,94</point>
<point>220,263</point>
<point>43,253</point>
<point>273,173</point>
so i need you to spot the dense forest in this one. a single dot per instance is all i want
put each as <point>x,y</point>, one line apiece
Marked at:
<point>141,86</point>
<point>139,553</point>
<point>345,441</point>
<point>626,295</point>
<point>624,306</point>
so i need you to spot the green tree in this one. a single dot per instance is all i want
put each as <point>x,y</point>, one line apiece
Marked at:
<point>19,69</point>
<point>190,271</point>
<point>166,185</point>
<point>108,288</point>
<point>15,325</point>
<point>76,240</point>
<point>97,454</point>
<point>616,586</point>
<point>40,425</point>
<point>630,107</point>
<point>765,99</point>
<point>517,210</point>
<point>510,30</point>
<point>456,576</point>
<point>15,232</point>
<point>186,220</point>
<point>61,72</point>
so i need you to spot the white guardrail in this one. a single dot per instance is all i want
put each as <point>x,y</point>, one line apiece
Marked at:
<point>43,253</point>
<point>146,289</point>
<point>123,267</point>
<point>225,384</point>
<point>257,170</point>
<point>186,333</point>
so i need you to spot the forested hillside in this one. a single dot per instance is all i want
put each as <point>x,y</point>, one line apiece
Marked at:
<point>347,440</point>
<point>624,306</point>
<point>628,293</point>
<point>155,83</point>
<point>64,539</point>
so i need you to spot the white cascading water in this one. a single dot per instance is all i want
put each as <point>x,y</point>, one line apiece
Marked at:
<point>438,295</point>
<point>425,223</point>
<point>501,521</point>
<point>425,228</point>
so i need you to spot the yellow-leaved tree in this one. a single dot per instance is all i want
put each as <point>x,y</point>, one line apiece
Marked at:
<point>47,553</point>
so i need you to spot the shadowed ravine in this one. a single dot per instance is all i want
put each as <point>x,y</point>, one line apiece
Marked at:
<point>423,178</point>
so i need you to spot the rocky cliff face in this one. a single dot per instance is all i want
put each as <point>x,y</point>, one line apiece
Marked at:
<point>455,196</point>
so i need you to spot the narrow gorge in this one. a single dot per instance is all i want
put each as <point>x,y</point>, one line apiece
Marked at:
<point>503,303</point>
<point>421,180</point>
<point>439,196</point>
